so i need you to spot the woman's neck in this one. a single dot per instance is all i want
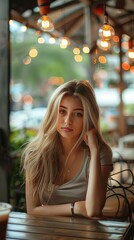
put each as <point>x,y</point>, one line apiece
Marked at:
<point>67,146</point>
<point>70,162</point>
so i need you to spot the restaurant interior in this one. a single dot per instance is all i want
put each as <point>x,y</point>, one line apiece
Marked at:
<point>81,23</point>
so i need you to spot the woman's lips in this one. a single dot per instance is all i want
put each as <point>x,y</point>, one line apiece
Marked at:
<point>66,129</point>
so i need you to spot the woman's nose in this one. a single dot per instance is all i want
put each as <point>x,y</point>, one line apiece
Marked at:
<point>68,119</point>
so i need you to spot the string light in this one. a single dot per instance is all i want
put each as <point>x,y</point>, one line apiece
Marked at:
<point>78,58</point>
<point>116,39</point>
<point>27,60</point>
<point>41,40</point>
<point>33,53</point>
<point>125,66</point>
<point>52,40</point>
<point>64,42</point>
<point>102,59</point>
<point>131,53</point>
<point>132,69</point>
<point>86,49</point>
<point>76,51</point>
<point>23,28</point>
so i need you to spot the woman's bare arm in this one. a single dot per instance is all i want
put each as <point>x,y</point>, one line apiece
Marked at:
<point>97,182</point>
<point>34,206</point>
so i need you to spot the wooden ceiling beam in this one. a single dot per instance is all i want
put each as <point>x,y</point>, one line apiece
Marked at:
<point>86,2</point>
<point>75,26</point>
<point>65,19</point>
<point>31,23</point>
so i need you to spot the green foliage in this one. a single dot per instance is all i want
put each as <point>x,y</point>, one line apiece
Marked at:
<point>18,140</point>
<point>129,109</point>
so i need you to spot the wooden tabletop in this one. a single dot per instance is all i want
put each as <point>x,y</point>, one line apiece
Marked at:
<point>26,227</point>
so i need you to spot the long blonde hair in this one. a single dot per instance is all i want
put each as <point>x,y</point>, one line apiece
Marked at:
<point>40,157</point>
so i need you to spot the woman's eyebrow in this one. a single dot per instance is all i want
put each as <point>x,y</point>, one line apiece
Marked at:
<point>63,106</point>
<point>80,109</point>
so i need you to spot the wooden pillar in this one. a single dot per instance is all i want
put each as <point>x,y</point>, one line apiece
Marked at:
<point>122,123</point>
<point>4,95</point>
<point>88,39</point>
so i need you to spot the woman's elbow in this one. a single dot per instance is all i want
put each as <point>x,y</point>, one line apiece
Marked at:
<point>94,213</point>
<point>31,211</point>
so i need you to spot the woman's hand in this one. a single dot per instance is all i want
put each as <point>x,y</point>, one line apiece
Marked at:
<point>91,139</point>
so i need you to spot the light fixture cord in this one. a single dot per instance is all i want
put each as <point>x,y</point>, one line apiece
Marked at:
<point>132,30</point>
<point>105,13</point>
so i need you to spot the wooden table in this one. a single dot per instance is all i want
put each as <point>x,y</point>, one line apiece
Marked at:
<point>23,226</point>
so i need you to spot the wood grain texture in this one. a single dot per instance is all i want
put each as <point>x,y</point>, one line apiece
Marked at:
<point>26,227</point>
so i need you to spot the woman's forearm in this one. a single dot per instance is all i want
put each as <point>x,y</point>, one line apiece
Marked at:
<point>51,210</point>
<point>34,206</point>
<point>95,197</point>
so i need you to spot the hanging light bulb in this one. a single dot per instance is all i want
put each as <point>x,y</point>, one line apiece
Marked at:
<point>45,23</point>
<point>106,31</point>
<point>103,44</point>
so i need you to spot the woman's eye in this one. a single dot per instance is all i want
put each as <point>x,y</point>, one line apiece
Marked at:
<point>78,114</point>
<point>62,111</point>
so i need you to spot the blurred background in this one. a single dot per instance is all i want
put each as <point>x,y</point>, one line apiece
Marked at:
<point>35,61</point>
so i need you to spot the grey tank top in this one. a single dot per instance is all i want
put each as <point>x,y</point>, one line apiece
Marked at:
<point>75,189</point>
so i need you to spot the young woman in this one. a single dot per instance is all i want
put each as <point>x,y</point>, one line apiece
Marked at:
<point>68,163</point>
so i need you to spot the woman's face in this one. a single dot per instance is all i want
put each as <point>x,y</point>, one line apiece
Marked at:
<point>70,118</point>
